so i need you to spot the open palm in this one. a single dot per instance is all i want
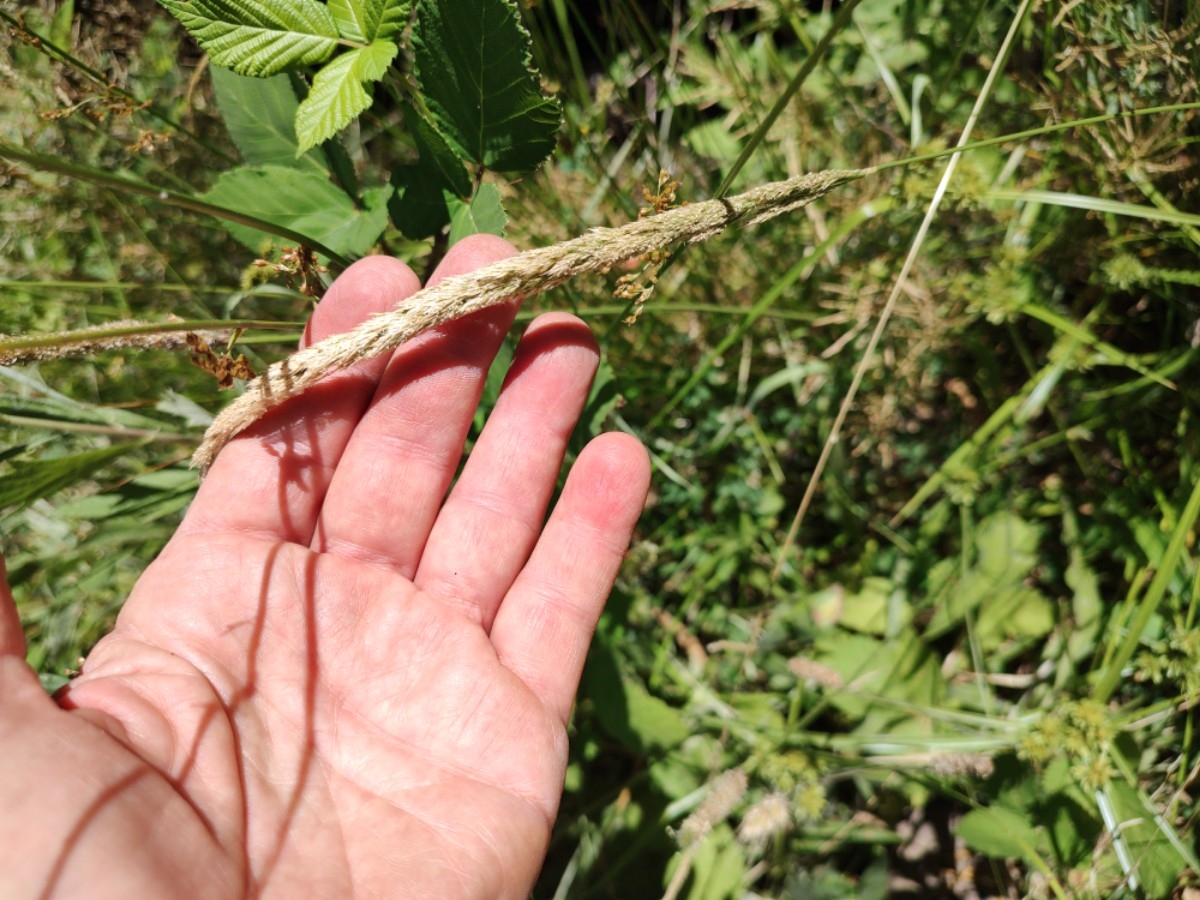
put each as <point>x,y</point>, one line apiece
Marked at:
<point>336,680</point>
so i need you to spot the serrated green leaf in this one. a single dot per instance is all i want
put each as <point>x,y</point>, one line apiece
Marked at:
<point>353,19</point>
<point>419,207</point>
<point>373,60</point>
<point>259,38</point>
<point>305,202</point>
<point>436,156</point>
<point>260,114</point>
<point>27,481</point>
<point>393,19</point>
<point>472,64</point>
<point>338,96</point>
<point>363,21</point>
<point>336,99</point>
<point>483,215</point>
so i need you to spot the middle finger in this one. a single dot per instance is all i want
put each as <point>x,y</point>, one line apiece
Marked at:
<point>400,460</point>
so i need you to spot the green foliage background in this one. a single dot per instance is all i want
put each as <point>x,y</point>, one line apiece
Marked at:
<point>975,666</point>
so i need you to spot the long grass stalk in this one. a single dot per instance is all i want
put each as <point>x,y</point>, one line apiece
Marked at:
<point>127,184</point>
<point>526,273</point>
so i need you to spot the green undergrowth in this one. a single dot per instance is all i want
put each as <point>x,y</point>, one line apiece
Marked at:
<point>973,667</point>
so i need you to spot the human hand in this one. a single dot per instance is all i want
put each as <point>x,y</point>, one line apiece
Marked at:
<point>335,681</point>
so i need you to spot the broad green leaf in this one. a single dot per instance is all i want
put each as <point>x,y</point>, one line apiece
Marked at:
<point>472,65</point>
<point>626,710</point>
<point>31,480</point>
<point>483,215</point>
<point>902,668</point>
<point>674,774</point>
<point>359,233</point>
<point>1013,611</point>
<point>1072,829</point>
<point>867,611</point>
<point>338,96</point>
<point>364,21</point>
<point>260,114</point>
<point>1001,833</point>
<point>259,37</point>
<point>1006,547</point>
<point>418,207</point>
<point>304,202</point>
<point>657,724</point>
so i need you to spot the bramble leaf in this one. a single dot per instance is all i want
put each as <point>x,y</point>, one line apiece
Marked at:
<point>258,38</point>
<point>419,207</point>
<point>338,96</point>
<point>364,21</point>
<point>305,202</point>
<point>484,214</point>
<point>373,60</point>
<point>436,155</point>
<point>260,115</point>
<point>472,64</point>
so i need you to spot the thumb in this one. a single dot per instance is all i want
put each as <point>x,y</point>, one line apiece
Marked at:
<point>12,638</point>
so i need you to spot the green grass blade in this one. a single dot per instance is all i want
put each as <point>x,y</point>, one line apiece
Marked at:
<point>1094,204</point>
<point>30,480</point>
<point>170,198</point>
<point>1165,571</point>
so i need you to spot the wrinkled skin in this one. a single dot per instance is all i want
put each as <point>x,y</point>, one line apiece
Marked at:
<point>336,680</point>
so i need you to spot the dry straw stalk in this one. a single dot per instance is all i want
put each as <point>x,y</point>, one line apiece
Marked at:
<point>525,274</point>
<point>124,334</point>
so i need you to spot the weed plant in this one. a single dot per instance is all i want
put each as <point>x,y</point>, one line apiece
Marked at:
<point>970,668</point>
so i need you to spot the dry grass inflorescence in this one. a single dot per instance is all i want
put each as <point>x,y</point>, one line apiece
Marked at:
<point>969,670</point>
